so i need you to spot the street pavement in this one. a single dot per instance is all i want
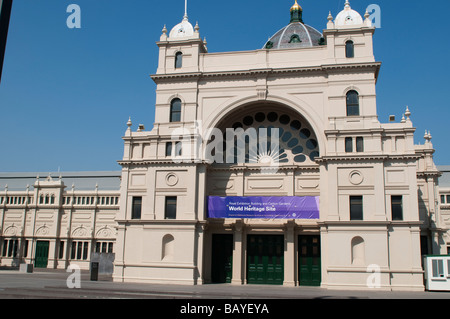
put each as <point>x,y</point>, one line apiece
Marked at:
<point>52,284</point>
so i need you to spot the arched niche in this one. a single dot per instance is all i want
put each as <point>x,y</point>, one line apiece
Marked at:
<point>358,251</point>
<point>168,249</point>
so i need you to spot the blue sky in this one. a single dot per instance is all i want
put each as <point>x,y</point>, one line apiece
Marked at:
<point>66,94</point>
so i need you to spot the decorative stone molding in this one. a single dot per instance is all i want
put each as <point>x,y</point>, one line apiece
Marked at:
<point>172,179</point>
<point>356,178</point>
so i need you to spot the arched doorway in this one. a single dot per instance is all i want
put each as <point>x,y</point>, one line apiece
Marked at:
<point>264,250</point>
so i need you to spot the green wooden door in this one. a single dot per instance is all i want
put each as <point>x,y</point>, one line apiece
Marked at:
<point>41,257</point>
<point>265,260</point>
<point>222,259</point>
<point>310,270</point>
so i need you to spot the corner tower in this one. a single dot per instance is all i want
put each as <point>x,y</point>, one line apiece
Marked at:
<point>180,49</point>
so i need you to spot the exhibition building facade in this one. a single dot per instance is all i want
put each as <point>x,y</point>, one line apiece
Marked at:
<point>263,167</point>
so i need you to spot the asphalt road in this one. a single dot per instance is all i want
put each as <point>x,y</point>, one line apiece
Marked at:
<point>52,284</point>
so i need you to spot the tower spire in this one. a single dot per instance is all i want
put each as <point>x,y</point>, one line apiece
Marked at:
<point>185,10</point>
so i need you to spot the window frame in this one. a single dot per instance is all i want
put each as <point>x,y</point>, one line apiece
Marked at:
<point>169,149</point>
<point>353,108</point>
<point>349,49</point>
<point>172,214</point>
<point>178,60</point>
<point>136,207</point>
<point>356,202</point>
<point>175,110</point>
<point>348,145</point>
<point>437,269</point>
<point>394,212</point>
<point>360,144</point>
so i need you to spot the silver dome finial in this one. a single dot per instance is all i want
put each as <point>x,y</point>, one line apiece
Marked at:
<point>185,10</point>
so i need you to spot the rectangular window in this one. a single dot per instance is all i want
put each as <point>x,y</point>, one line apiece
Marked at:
<point>25,249</point>
<point>171,208</point>
<point>85,250</point>
<point>79,249</point>
<point>448,267</point>
<point>179,149</point>
<point>448,199</point>
<point>169,146</point>
<point>348,145</point>
<point>137,208</point>
<point>12,249</point>
<point>61,250</point>
<point>397,207</point>
<point>438,268</point>
<point>356,208</point>
<point>73,252</point>
<point>16,248</point>
<point>360,144</point>
<point>5,248</point>
<point>110,248</point>
<point>442,199</point>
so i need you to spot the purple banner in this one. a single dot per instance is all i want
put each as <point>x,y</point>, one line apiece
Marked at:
<point>263,207</point>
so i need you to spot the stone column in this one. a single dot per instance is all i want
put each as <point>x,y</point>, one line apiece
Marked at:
<point>238,253</point>
<point>289,255</point>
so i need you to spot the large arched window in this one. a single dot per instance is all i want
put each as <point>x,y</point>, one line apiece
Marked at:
<point>349,49</point>
<point>352,103</point>
<point>264,137</point>
<point>175,110</point>
<point>178,60</point>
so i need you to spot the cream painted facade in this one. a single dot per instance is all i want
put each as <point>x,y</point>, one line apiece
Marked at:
<point>66,222</point>
<point>307,83</point>
<point>159,223</point>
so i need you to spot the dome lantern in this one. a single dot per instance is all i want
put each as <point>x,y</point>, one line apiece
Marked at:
<point>296,13</point>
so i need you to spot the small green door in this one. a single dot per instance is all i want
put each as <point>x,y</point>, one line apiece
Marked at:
<point>222,259</point>
<point>41,257</point>
<point>309,264</point>
<point>265,259</point>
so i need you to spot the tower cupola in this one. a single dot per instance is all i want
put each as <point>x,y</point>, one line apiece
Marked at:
<point>296,13</point>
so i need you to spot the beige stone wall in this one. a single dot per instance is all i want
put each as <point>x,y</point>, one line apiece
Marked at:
<point>73,216</point>
<point>310,84</point>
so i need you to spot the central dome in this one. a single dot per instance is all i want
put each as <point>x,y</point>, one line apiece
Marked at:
<point>296,34</point>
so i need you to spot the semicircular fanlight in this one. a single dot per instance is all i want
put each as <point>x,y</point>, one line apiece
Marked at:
<point>296,140</point>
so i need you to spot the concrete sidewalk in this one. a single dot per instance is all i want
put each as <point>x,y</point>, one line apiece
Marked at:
<point>52,284</point>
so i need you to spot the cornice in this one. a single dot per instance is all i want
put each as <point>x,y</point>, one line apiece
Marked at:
<point>368,223</point>
<point>352,158</point>
<point>165,162</point>
<point>266,71</point>
<point>236,168</point>
<point>431,173</point>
